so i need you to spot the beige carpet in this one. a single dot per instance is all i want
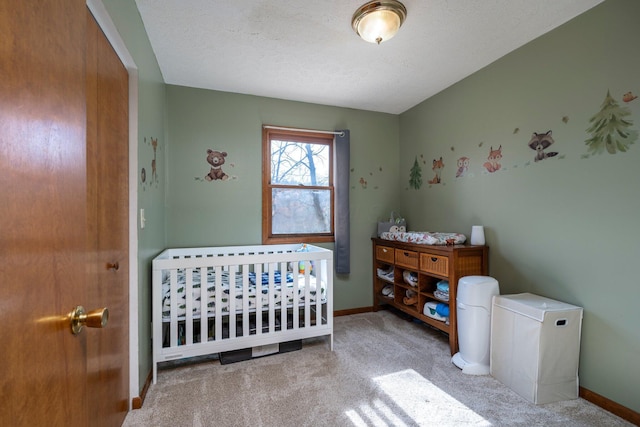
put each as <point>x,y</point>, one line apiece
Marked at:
<point>384,371</point>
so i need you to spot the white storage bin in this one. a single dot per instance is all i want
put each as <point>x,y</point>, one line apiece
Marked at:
<point>535,346</point>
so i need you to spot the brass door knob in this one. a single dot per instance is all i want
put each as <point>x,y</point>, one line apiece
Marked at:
<point>79,318</point>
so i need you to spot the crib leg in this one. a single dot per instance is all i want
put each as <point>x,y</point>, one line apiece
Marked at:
<point>155,372</point>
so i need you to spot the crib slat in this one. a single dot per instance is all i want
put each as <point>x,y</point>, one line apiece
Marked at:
<point>204,307</point>
<point>319,286</point>
<point>245,300</point>
<point>307,296</point>
<point>272,302</point>
<point>259,305</point>
<point>322,293</point>
<point>232,301</point>
<point>218,303</point>
<point>295,304</point>
<point>283,296</point>
<point>173,311</point>
<point>188,318</point>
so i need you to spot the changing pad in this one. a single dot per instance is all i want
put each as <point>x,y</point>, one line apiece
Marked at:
<point>425,237</point>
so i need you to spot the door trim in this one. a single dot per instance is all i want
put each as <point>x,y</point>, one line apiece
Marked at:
<point>99,12</point>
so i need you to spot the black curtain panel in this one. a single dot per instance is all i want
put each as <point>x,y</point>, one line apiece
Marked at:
<point>342,244</point>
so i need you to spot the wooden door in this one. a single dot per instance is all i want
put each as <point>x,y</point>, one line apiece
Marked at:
<point>60,224</point>
<point>108,231</point>
<point>42,212</point>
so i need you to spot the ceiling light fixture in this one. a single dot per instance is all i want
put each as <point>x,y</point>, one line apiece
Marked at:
<point>378,21</point>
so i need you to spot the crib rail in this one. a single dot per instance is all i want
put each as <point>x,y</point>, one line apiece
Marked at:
<point>211,300</point>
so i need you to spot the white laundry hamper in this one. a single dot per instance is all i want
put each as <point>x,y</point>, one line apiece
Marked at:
<point>535,346</point>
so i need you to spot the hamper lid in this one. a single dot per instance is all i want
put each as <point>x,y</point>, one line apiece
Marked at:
<point>533,306</point>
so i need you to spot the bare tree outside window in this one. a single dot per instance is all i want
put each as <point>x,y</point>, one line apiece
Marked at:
<point>300,187</point>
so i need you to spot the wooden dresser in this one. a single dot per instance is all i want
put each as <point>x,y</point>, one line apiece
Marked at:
<point>425,266</point>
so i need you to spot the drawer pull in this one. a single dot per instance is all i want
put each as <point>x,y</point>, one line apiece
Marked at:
<point>384,250</point>
<point>434,259</point>
<point>406,254</point>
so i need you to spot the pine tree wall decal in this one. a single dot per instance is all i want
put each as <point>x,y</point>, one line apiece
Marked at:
<point>609,129</point>
<point>415,175</point>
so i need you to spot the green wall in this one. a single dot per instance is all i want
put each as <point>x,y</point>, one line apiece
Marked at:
<point>151,192</point>
<point>219,213</point>
<point>563,227</point>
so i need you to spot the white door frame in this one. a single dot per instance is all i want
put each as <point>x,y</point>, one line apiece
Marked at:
<point>99,12</point>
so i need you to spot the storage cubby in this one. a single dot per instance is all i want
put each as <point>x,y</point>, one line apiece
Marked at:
<point>427,265</point>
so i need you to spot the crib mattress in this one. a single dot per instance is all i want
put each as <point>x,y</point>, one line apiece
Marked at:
<point>425,237</point>
<point>252,297</point>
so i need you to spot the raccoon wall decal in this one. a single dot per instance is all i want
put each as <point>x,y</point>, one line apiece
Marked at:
<point>540,142</point>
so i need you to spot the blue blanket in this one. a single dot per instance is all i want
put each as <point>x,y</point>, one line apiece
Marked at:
<point>277,277</point>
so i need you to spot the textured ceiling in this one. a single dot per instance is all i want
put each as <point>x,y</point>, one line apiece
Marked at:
<point>306,50</point>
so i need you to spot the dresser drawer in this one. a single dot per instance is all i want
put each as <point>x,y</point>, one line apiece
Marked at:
<point>434,264</point>
<point>384,253</point>
<point>406,258</point>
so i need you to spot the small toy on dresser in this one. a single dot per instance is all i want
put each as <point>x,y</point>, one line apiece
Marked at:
<point>396,224</point>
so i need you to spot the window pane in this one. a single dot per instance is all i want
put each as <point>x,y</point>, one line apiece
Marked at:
<point>299,163</point>
<point>300,211</point>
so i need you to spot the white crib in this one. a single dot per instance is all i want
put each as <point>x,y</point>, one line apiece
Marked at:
<point>251,296</point>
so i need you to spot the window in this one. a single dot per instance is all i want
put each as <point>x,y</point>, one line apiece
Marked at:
<point>297,186</point>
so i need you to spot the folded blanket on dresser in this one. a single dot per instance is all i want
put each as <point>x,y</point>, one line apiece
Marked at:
<point>425,237</point>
